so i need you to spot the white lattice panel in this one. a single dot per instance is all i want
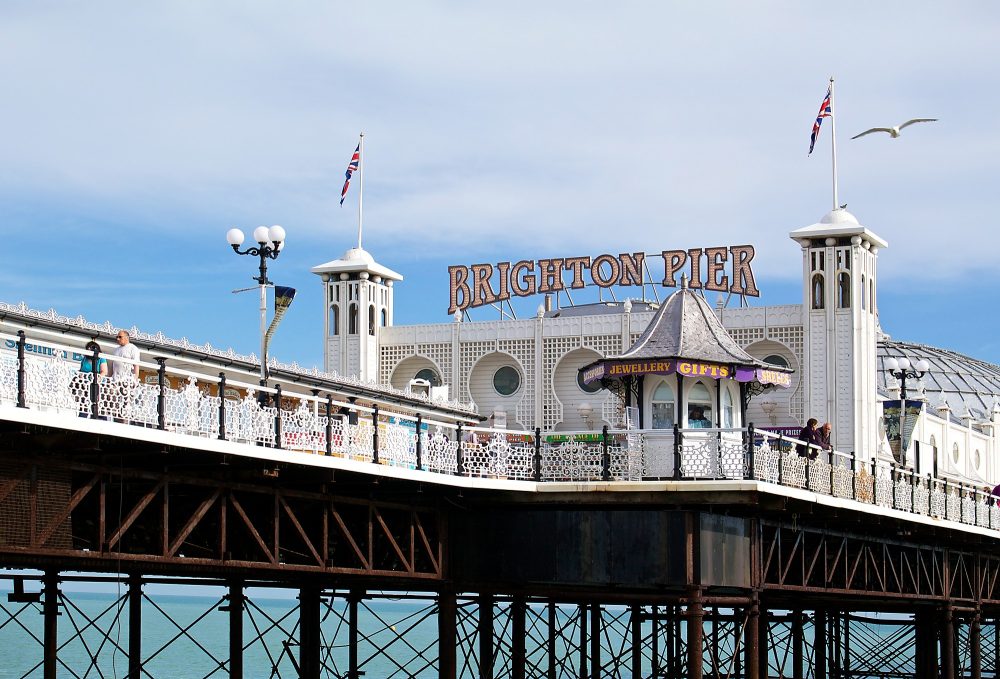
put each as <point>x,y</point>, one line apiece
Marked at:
<point>524,351</point>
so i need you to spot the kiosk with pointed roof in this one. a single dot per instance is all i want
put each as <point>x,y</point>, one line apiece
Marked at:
<point>685,370</point>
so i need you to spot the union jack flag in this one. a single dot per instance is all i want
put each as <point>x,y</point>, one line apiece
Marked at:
<point>825,111</point>
<point>351,168</point>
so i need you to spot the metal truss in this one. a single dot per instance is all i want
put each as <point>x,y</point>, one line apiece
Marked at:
<point>794,558</point>
<point>107,515</point>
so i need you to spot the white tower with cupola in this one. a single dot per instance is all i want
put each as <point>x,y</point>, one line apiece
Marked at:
<point>840,321</point>
<point>357,294</point>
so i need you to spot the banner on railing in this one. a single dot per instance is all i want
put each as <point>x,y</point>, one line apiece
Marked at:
<point>283,297</point>
<point>900,418</point>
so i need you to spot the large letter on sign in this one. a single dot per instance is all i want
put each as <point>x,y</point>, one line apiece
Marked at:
<point>743,283</point>
<point>523,284</point>
<point>459,277</point>
<point>673,260</point>
<point>482,291</point>
<point>631,268</point>
<point>716,278</point>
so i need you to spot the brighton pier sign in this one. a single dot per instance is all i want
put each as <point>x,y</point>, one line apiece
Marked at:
<point>723,269</point>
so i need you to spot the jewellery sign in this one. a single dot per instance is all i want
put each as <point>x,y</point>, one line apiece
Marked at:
<point>726,269</point>
<point>900,419</point>
<point>617,369</point>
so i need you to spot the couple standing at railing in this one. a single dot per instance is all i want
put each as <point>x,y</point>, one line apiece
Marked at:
<point>124,373</point>
<point>814,439</point>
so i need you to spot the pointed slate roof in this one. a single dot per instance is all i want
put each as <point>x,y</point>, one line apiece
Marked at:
<point>685,327</point>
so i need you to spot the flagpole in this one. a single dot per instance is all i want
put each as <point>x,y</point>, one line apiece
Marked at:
<point>361,185</point>
<point>833,144</point>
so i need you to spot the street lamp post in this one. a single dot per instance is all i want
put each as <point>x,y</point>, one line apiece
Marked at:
<point>270,242</point>
<point>902,370</point>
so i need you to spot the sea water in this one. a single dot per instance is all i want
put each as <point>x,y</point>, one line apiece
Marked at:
<point>185,635</point>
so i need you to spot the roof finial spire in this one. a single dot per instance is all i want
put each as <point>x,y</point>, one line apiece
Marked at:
<point>684,281</point>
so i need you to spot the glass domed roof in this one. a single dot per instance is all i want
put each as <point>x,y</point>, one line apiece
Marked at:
<point>968,385</point>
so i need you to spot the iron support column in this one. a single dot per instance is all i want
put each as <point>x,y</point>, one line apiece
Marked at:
<point>763,644</point>
<point>309,641</point>
<point>134,626</point>
<point>948,642</point>
<point>235,608</point>
<point>695,632</point>
<point>582,611</point>
<point>551,642</point>
<point>820,650</point>
<point>50,615</point>
<point>636,632</point>
<point>486,636</point>
<point>595,640</point>
<point>352,635</point>
<point>751,639</point>
<point>446,634</point>
<point>975,651</point>
<point>797,641</point>
<point>518,629</point>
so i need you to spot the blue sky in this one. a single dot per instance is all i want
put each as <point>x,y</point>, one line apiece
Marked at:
<point>136,134</point>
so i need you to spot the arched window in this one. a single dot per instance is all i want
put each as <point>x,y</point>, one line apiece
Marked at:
<point>699,406</point>
<point>817,291</point>
<point>385,318</point>
<point>663,406</point>
<point>335,319</point>
<point>871,296</point>
<point>727,406</point>
<point>843,290</point>
<point>352,319</point>
<point>371,319</point>
<point>955,453</point>
<point>933,443</point>
<point>863,289</point>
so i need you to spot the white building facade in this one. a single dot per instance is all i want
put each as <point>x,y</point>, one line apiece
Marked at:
<point>524,373</point>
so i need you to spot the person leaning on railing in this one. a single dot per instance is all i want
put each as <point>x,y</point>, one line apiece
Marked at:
<point>810,440</point>
<point>824,436</point>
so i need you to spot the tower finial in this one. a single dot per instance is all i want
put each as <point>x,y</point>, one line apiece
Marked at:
<point>684,281</point>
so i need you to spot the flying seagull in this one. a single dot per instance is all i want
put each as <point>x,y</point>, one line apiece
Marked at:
<point>894,131</point>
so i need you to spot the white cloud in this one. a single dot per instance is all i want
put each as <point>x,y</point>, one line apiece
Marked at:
<point>497,128</point>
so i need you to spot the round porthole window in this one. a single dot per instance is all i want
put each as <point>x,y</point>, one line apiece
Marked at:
<point>591,388</point>
<point>775,359</point>
<point>954,453</point>
<point>977,459</point>
<point>506,381</point>
<point>429,375</point>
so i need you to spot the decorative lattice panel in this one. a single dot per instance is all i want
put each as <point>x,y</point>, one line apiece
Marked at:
<point>611,408</point>
<point>555,349</point>
<point>524,351</point>
<point>469,353</point>
<point>791,336</point>
<point>392,356</point>
<point>389,358</point>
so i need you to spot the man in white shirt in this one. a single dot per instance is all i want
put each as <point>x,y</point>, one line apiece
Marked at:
<point>125,376</point>
<point>121,371</point>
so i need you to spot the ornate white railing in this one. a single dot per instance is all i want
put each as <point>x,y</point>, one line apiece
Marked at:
<point>189,403</point>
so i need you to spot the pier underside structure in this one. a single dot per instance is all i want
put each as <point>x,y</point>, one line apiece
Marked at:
<point>330,529</point>
<point>578,581</point>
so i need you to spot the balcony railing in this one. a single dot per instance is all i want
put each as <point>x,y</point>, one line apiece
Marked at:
<point>197,404</point>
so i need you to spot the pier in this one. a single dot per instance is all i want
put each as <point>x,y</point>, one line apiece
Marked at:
<point>621,553</point>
